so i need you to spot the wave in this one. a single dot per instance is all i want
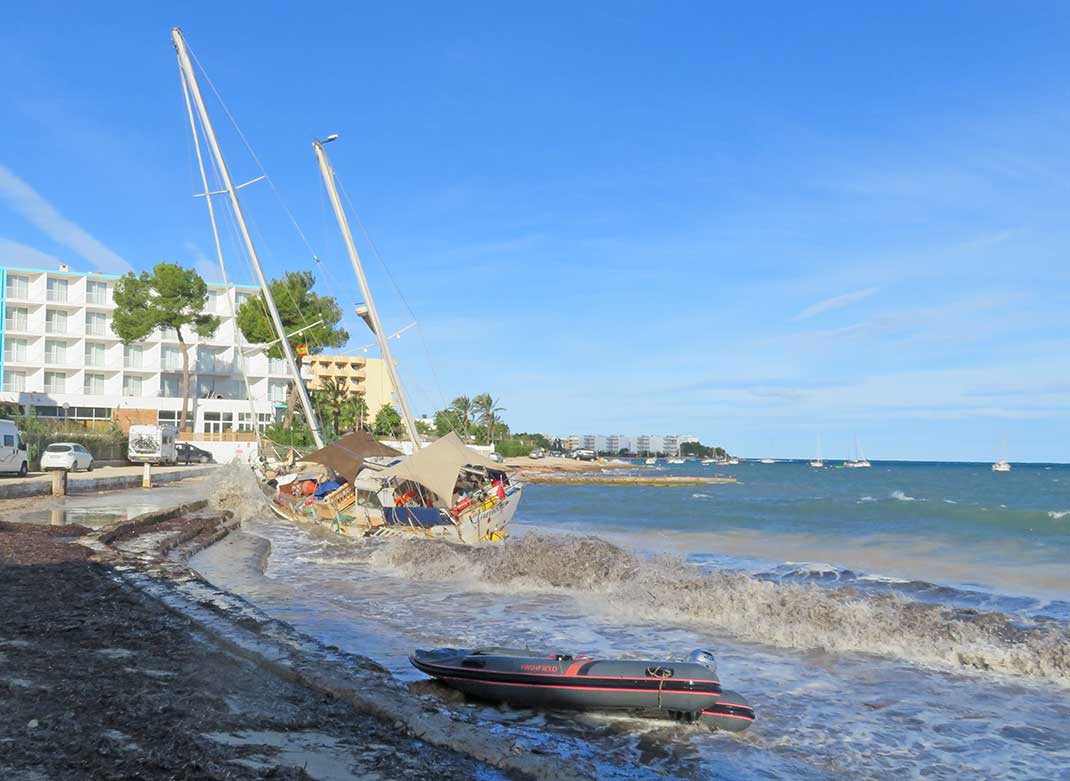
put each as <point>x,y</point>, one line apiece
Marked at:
<point>619,582</point>
<point>868,499</point>
<point>900,496</point>
<point>701,496</point>
<point>1058,515</point>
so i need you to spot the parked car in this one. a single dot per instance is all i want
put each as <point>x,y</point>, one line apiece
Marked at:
<point>67,455</point>
<point>536,454</point>
<point>496,457</point>
<point>188,454</point>
<point>584,455</point>
<point>153,444</point>
<point>12,450</point>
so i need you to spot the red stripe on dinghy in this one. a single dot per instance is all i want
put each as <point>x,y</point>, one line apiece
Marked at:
<point>734,705</point>
<point>484,670</point>
<point>726,715</point>
<point>704,695</point>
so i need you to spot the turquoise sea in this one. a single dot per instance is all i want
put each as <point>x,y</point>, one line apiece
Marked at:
<point>904,621</point>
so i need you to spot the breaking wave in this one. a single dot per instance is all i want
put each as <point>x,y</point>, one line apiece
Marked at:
<point>233,487</point>
<point>901,497</point>
<point>791,615</point>
<point>1058,516</point>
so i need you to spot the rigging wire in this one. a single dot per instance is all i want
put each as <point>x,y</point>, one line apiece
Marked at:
<point>397,289</point>
<point>222,265</point>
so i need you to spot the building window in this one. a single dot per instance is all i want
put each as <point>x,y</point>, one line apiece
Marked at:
<point>14,381</point>
<point>278,366</point>
<point>278,391</point>
<point>96,324</point>
<point>172,416</point>
<point>55,322</point>
<point>17,317</point>
<point>57,290</point>
<point>96,293</point>
<point>132,355</point>
<point>55,382</point>
<point>55,351</point>
<point>131,386</point>
<point>210,361</point>
<point>170,358</point>
<point>15,349</point>
<point>94,384</point>
<point>18,286</point>
<point>170,387</point>
<point>170,334</point>
<point>94,354</point>
<point>240,298</point>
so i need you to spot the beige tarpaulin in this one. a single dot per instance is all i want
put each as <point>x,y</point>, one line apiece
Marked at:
<point>347,454</point>
<point>438,465</point>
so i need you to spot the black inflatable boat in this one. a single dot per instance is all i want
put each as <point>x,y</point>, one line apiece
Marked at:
<point>687,690</point>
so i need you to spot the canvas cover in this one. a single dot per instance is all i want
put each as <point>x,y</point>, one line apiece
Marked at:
<point>346,456</point>
<point>438,465</point>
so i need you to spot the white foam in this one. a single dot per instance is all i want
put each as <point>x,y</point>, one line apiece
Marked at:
<point>901,497</point>
<point>616,582</point>
<point>701,496</point>
<point>1058,515</point>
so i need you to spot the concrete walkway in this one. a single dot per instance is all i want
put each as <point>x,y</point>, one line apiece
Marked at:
<point>105,478</point>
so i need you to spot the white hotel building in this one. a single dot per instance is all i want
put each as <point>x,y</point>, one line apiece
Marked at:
<point>61,359</point>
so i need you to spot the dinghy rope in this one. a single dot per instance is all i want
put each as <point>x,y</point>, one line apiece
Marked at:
<point>662,674</point>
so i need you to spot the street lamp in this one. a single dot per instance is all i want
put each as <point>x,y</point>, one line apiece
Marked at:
<point>66,412</point>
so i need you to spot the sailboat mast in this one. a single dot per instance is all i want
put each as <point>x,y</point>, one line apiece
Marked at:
<point>358,269</point>
<point>190,76</point>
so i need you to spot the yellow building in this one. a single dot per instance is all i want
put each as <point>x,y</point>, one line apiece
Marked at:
<point>357,373</point>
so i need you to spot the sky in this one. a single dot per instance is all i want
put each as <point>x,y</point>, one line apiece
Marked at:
<point>759,225</point>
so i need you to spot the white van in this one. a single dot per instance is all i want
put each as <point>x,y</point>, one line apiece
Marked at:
<point>12,450</point>
<point>153,444</point>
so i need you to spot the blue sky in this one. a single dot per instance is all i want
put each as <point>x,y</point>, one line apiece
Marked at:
<point>754,225</point>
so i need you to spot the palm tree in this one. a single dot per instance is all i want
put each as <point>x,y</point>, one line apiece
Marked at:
<point>487,409</point>
<point>355,411</point>
<point>331,397</point>
<point>464,408</point>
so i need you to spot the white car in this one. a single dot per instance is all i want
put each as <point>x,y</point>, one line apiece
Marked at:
<point>67,455</point>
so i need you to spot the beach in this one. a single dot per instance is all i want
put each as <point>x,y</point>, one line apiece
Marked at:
<point>196,623</point>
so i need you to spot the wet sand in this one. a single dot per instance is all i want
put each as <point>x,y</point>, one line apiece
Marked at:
<point>100,680</point>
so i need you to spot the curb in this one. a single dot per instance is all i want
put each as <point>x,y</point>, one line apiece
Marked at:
<point>88,485</point>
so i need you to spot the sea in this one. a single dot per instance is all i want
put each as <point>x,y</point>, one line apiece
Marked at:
<point>910,620</point>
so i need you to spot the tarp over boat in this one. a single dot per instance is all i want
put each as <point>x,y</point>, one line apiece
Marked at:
<point>438,465</point>
<point>346,456</point>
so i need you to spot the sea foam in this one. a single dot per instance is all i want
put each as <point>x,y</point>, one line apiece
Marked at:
<point>615,581</point>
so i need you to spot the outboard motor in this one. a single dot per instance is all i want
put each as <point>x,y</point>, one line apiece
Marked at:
<point>703,657</point>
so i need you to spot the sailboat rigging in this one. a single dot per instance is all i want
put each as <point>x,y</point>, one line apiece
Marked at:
<point>358,486</point>
<point>189,82</point>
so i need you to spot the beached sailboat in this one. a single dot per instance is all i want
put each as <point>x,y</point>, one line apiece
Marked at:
<point>817,463</point>
<point>859,461</point>
<point>357,485</point>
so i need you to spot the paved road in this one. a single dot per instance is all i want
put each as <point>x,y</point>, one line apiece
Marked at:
<point>100,471</point>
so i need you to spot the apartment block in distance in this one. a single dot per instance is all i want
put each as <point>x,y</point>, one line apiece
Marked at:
<point>356,373</point>
<point>62,360</point>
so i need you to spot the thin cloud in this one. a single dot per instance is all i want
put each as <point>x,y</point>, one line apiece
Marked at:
<point>836,302</point>
<point>14,254</point>
<point>22,198</point>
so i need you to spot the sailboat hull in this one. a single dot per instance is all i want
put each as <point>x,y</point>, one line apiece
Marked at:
<point>489,525</point>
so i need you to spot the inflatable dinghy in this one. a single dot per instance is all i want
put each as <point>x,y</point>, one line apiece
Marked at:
<point>686,690</point>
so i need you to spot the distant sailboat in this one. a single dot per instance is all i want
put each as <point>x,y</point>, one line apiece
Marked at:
<point>859,461</point>
<point>1002,465</point>
<point>817,463</point>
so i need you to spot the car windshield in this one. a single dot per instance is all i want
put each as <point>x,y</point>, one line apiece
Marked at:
<point>58,449</point>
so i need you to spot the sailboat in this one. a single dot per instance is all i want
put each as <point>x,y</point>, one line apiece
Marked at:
<point>859,461</point>
<point>1002,465</point>
<point>445,490</point>
<point>817,463</point>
